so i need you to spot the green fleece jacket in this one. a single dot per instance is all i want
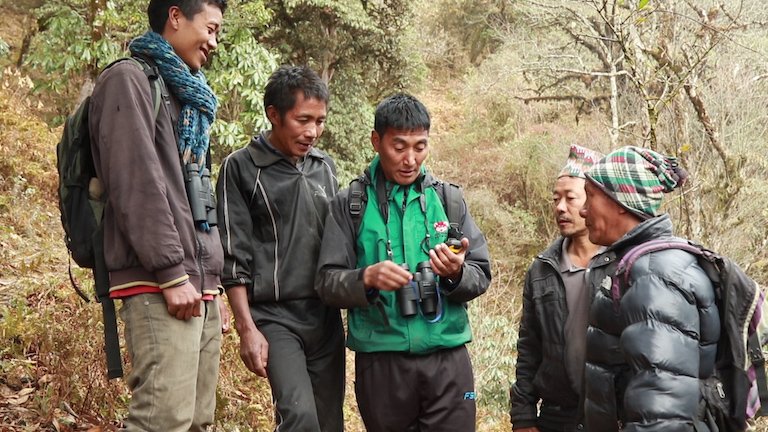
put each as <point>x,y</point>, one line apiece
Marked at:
<point>374,321</point>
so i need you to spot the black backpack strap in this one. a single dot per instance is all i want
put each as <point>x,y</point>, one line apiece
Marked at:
<point>453,203</point>
<point>74,282</point>
<point>159,89</point>
<point>358,199</point>
<point>101,282</point>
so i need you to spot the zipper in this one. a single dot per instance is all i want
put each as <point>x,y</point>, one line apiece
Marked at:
<point>277,241</point>
<point>200,262</point>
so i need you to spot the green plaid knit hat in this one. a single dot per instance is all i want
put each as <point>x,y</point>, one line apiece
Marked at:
<point>580,160</point>
<point>637,178</point>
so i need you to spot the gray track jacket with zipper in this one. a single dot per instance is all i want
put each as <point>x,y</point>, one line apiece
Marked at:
<point>276,258</point>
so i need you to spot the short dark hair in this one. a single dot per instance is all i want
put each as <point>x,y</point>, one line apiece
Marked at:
<point>401,111</point>
<point>284,82</point>
<point>157,11</point>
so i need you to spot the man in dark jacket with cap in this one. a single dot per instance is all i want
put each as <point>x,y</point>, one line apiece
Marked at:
<point>273,199</point>
<point>553,327</point>
<point>650,344</point>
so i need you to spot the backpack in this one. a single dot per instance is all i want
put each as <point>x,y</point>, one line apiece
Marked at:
<point>81,203</point>
<point>449,193</point>
<point>739,363</point>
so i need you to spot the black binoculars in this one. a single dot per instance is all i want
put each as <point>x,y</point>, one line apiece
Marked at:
<point>421,291</point>
<point>200,194</point>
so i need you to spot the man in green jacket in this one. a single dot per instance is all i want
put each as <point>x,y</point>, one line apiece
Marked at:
<point>408,327</point>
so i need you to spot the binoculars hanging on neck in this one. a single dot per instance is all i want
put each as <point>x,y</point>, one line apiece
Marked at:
<point>420,293</point>
<point>200,193</point>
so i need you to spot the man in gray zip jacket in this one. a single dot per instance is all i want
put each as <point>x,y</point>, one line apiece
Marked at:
<point>273,197</point>
<point>553,327</point>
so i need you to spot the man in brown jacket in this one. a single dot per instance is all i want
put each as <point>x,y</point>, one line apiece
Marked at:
<point>163,263</point>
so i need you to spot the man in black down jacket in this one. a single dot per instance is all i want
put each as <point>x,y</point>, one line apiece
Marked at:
<point>553,328</point>
<point>274,195</point>
<point>646,351</point>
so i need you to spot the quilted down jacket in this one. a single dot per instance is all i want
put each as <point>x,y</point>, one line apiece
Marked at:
<point>647,351</point>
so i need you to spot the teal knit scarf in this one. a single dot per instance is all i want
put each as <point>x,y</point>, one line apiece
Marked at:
<point>191,89</point>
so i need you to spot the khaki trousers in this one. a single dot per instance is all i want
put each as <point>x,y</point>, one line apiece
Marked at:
<point>174,366</point>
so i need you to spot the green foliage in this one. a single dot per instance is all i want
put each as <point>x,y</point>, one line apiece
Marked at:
<point>238,73</point>
<point>347,136</point>
<point>4,48</point>
<point>494,342</point>
<point>72,43</point>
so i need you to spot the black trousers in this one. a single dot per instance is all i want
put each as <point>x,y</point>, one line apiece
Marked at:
<point>398,392</point>
<point>306,373</point>
<point>577,428</point>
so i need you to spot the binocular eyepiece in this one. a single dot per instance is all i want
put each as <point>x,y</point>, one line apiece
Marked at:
<point>200,193</point>
<point>421,291</point>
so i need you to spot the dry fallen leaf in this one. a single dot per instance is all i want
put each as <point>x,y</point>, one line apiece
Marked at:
<point>45,379</point>
<point>19,400</point>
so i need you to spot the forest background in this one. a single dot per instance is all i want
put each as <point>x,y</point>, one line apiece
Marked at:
<point>510,84</point>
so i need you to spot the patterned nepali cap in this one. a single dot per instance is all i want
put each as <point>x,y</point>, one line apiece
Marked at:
<point>637,178</point>
<point>580,160</point>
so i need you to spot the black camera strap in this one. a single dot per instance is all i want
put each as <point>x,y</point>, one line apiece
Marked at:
<point>383,191</point>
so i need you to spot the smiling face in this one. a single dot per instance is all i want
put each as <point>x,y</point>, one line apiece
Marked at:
<point>295,132</point>
<point>401,153</point>
<point>193,39</point>
<point>568,198</point>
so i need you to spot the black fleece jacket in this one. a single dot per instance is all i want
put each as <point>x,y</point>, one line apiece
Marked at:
<point>271,218</point>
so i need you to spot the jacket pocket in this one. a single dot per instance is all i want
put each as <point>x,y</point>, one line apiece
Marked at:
<point>550,307</point>
<point>256,293</point>
<point>211,253</point>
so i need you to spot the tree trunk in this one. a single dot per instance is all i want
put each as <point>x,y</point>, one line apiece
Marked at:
<point>95,8</point>
<point>614,106</point>
<point>29,33</point>
<point>327,56</point>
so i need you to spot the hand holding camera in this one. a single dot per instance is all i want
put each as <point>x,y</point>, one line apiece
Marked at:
<point>454,245</point>
<point>444,259</point>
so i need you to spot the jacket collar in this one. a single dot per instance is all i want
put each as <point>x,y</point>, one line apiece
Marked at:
<point>374,170</point>
<point>553,251</point>
<point>265,154</point>
<point>659,226</point>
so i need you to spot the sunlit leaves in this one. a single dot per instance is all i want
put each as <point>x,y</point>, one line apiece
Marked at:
<point>238,74</point>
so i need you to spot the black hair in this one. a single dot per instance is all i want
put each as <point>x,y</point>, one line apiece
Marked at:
<point>401,111</point>
<point>284,82</point>
<point>157,11</point>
